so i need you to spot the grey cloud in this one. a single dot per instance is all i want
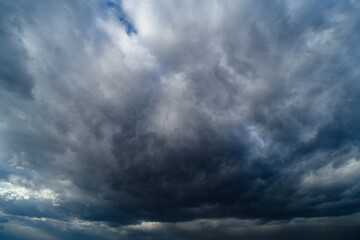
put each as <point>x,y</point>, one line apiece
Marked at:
<point>207,110</point>
<point>14,75</point>
<point>299,228</point>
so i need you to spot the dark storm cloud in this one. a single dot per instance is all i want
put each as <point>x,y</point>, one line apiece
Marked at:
<point>14,75</point>
<point>171,112</point>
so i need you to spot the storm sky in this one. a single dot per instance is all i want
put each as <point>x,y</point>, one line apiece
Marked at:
<point>164,119</point>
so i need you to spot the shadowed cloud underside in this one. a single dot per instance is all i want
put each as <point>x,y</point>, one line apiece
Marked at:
<point>179,119</point>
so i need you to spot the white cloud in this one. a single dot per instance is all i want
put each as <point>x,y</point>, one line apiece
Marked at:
<point>14,190</point>
<point>348,173</point>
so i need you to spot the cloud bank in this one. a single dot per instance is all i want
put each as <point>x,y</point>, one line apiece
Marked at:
<point>179,119</point>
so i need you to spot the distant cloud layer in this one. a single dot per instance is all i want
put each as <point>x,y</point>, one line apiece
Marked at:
<point>179,119</point>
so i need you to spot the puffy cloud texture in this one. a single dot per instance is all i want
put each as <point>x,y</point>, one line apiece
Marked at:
<point>179,119</point>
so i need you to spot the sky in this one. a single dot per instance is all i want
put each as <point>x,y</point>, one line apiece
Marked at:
<point>164,119</point>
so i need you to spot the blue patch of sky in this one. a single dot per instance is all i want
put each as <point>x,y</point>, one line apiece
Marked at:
<point>116,6</point>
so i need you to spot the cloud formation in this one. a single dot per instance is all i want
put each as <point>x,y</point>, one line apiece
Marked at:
<point>167,119</point>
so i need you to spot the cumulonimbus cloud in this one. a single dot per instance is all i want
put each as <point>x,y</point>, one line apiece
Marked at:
<point>165,111</point>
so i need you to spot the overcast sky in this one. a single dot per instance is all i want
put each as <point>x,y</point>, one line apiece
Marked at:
<point>183,120</point>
